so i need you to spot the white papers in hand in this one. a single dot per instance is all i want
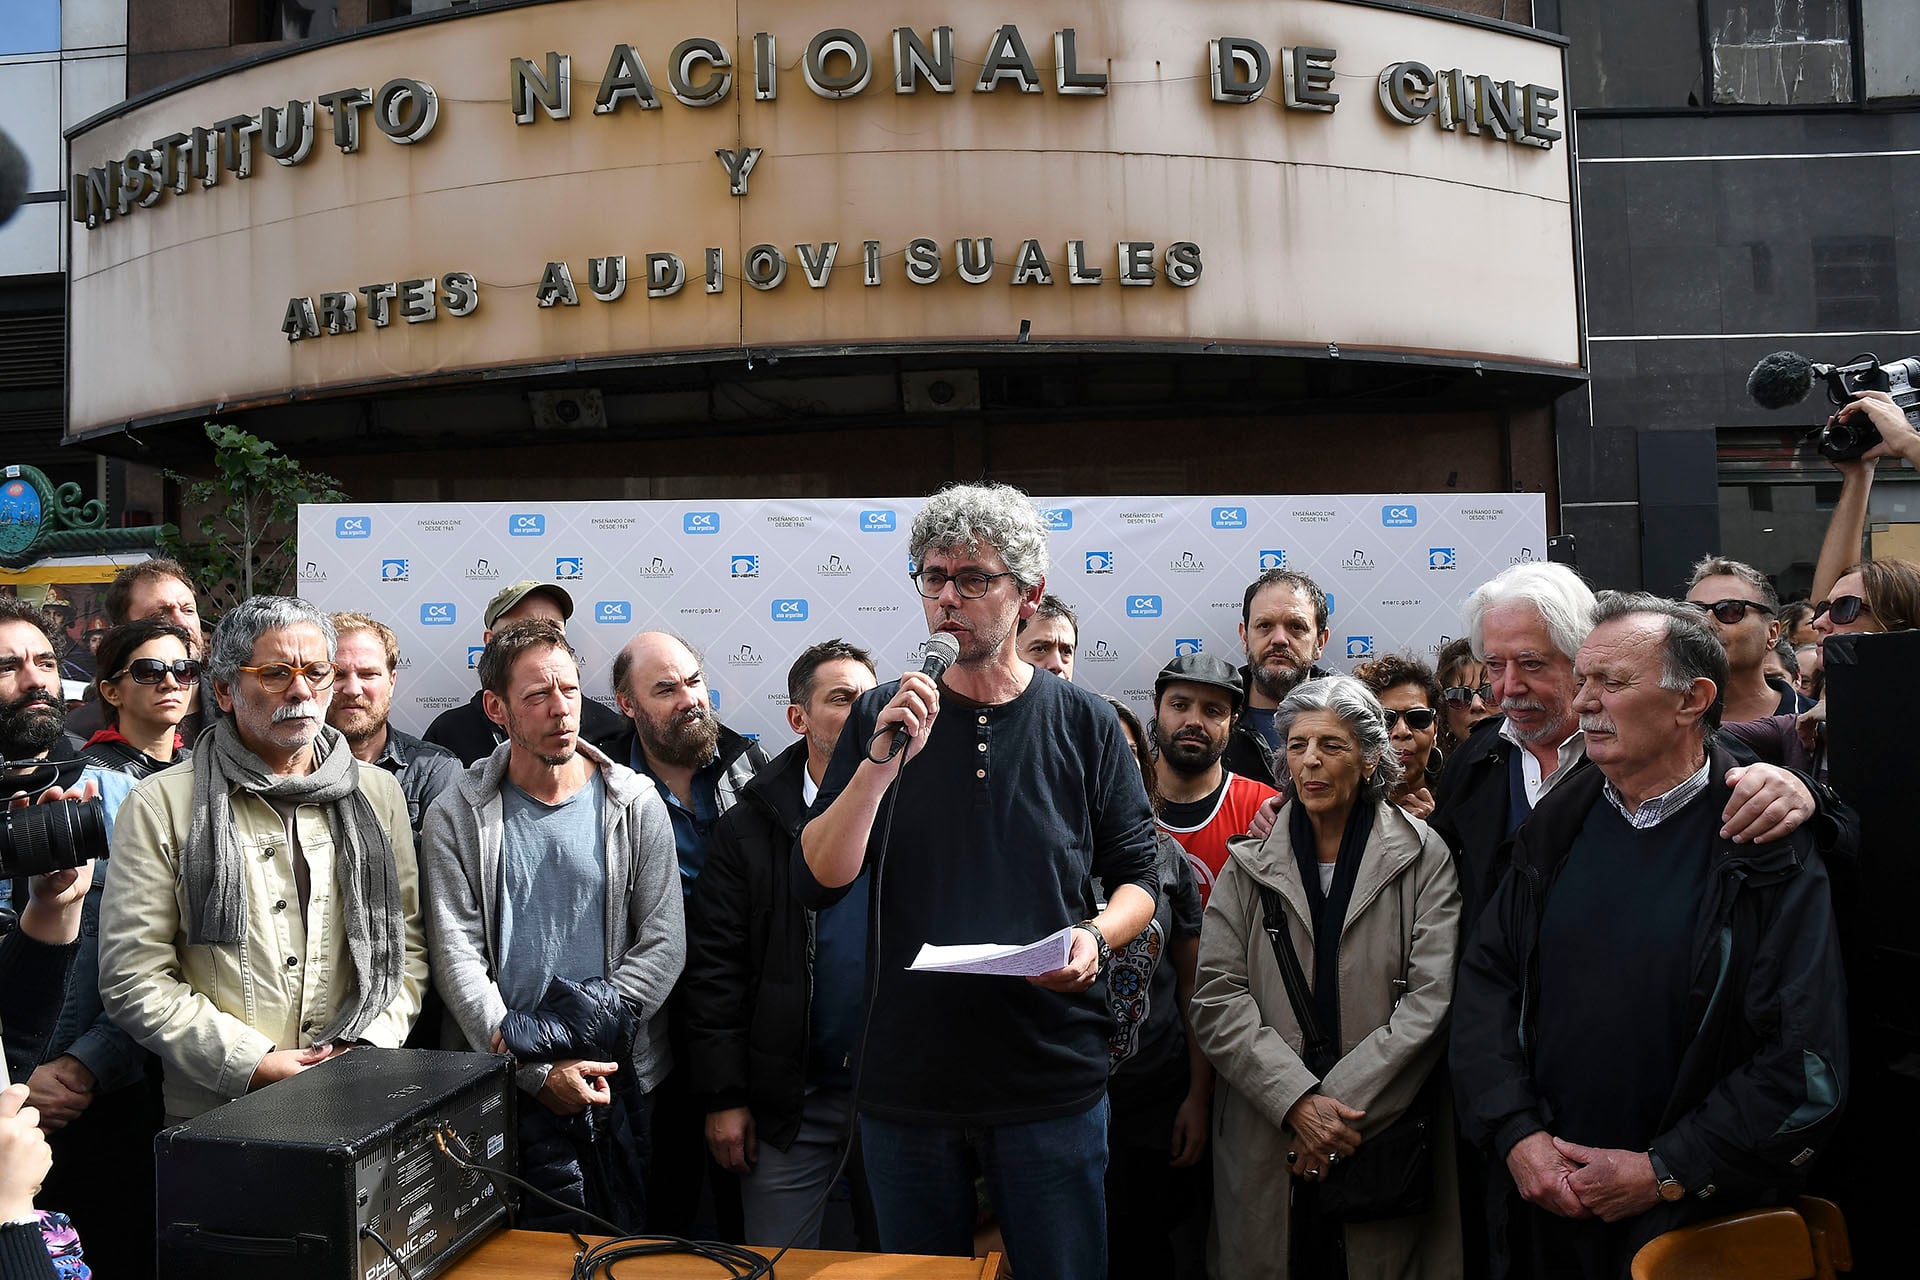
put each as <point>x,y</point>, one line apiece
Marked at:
<point>1006,959</point>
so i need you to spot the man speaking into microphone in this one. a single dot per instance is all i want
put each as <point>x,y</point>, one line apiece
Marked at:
<point>1015,790</point>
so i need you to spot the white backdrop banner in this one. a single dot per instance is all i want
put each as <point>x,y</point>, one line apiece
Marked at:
<point>752,583</point>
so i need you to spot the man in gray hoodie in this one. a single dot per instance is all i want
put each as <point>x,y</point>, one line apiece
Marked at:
<point>549,861</point>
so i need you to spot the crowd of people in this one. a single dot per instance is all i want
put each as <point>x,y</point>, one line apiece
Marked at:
<point>1500,966</point>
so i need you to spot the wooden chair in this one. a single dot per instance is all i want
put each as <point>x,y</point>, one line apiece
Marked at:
<point>1760,1244</point>
<point>1806,1242</point>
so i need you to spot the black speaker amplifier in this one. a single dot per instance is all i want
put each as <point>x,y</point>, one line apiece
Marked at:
<point>304,1178</point>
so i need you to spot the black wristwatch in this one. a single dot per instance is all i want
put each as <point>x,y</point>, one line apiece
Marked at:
<point>1668,1185</point>
<point>1099,940</point>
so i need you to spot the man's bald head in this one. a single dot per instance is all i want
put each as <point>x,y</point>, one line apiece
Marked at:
<point>659,685</point>
<point>648,652</point>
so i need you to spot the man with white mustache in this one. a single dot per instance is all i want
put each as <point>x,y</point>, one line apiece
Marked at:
<point>264,908</point>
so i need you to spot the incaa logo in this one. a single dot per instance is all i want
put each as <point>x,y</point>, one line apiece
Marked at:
<point>393,571</point>
<point>1442,558</point>
<point>613,611</point>
<point>1229,517</point>
<point>700,522</point>
<point>1187,648</point>
<point>1143,606</point>
<point>1099,562</point>
<point>353,527</point>
<point>1056,518</point>
<point>1359,646</point>
<point>789,610</point>
<point>1400,517</point>
<point>437,614</point>
<point>744,567</point>
<point>527,524</point>
<point>1099,651</point>
<point>881,521</point>
<point>1273,558</point>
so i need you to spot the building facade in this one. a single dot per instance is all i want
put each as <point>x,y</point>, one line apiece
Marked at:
<point>834,249</point>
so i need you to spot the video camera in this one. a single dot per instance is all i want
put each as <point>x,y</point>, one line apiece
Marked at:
<point>1785,377</point>
<point>36,839</point>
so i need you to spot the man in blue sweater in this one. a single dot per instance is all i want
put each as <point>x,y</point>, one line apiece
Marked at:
<point>1012,791</point>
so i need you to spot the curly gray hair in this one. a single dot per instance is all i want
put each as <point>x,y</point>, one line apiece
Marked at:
<point>1360,711</point>
<point>242,626</point>
<point>964,516</point>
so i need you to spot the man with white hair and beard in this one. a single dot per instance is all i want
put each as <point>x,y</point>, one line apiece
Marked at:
<point>699,767</point>
<point>264,911</point>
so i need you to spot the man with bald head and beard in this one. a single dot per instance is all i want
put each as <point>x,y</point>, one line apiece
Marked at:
<point>700,767</point>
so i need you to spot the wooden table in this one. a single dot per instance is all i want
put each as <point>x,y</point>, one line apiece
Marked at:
<point>544,1255</point>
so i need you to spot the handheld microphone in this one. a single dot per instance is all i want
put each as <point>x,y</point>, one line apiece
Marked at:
<point>942,649</point>
<point>1782,379</point>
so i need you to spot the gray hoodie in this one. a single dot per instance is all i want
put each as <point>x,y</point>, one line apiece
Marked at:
<point>646,928</point>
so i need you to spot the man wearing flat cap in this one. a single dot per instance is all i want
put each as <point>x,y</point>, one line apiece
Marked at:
<point>1196,699</point>
<point>466,731</point>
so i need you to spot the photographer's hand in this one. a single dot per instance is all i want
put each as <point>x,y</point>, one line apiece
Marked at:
<point>1898,439</point>
<point>52,913</point>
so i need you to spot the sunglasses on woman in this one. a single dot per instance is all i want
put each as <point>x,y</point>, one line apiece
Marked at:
<point>1843,609</point>
<point>1461,695</point>
<point>1419,719</point>
<point>1729,612</point>
<point>152,671</point>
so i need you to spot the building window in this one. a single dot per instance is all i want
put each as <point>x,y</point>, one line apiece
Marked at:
<point>1780,55</point>
<point>31,26</point>
<point>1633,53</point>
<point>297,19</point>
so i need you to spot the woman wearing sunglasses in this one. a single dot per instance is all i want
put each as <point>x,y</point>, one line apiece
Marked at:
<point>146,684</point>
<point>1410,696</point>
<point>1465,693</point>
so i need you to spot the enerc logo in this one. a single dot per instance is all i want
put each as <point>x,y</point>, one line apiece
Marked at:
<point>789,610</point>
<point>1099,562</point>
<point>1398,517</point>
<point>1329,604</point>
<point>1442,558</point>
<point>881,521</point>
<point>611,611</point>
<point>473,655</point>
<point>353,527</point>
<point>439,614</point>
<point>1359,646</point>
<point>527,524</point>
<point>569,568</point>
<point>1056,518</point>
<point>1273,558</point>
<point>393,571</point>
<point>1143,606</point>
<point>744,567</point>
<point>700,522</point>
<point>1187,648</point>
<point>1229,517</point>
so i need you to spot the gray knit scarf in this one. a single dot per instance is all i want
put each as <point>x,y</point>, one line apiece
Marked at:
<point>363,865</point>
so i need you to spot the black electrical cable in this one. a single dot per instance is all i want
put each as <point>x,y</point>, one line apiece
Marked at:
<point>392,1257</point>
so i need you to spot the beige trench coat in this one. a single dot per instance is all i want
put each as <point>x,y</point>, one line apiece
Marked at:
<point>1404,917</point>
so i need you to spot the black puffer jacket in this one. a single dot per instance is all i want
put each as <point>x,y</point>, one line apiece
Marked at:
<point>749,977</point>
<point>598,1158</point>
<point>1761,1083</point>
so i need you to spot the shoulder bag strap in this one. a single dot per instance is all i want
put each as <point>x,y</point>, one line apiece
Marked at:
<point>1314,1042</point>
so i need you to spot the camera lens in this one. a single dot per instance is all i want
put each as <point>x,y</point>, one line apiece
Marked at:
<point>43,838</point>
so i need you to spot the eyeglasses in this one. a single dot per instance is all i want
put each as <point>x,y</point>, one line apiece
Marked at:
<point>152,671</point>
<point>276,676</point>
<point>1728,612</point>
<point>1842,609</point>
<point>970,583</point>
<point>1461,695</point>
<point>1419,719</point>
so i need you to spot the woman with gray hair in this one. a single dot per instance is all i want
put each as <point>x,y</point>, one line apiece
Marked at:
<point>1326,973</point>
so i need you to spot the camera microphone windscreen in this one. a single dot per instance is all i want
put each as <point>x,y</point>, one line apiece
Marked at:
<point>1781,379</point>
<point>13,176</point>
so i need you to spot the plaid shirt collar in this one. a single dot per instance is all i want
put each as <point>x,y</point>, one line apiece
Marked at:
<point>1660,808</point>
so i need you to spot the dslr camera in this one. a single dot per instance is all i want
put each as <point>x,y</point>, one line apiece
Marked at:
<point>37,839</point>
<point>1785,377</point>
